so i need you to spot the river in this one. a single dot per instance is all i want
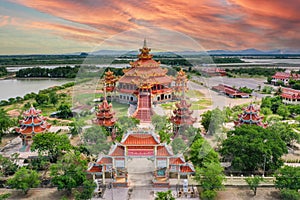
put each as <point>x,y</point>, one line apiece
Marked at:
<point>19,87</point>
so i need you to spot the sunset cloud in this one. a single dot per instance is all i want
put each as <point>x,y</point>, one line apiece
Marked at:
<point>220,24</point>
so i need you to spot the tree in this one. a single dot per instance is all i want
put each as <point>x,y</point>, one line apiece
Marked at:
<point>160,122</point>
<point>87,191</point>
<point>210,176</point>
<point>253,182</point>
<point>201,152</point>
<point>286,132</point>
<point>288,178</point>
<point>53,98</point>
<point>206,117</point>
<point>95,140</point>
<point>41,99</point>
<point>51,144</point>
<point>250,148</point>
<point>7,166</point>
<point>287,194</point>
<point>5,123</point>
<point>212,120</point>
<point>24,179</point>
<point>283,111</point>
<point>164,195</point>
<point>164,136</point>
<point>64,111</point>
<point>68,172</point>
<point>178,145</point>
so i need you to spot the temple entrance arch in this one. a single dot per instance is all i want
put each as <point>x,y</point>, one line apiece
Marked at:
<point>140,171</point>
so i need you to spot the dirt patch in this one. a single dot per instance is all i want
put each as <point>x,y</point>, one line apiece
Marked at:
<point>247,194</point>
<point>35,194</point>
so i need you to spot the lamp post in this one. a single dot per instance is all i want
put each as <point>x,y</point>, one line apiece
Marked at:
<point>264,165</point>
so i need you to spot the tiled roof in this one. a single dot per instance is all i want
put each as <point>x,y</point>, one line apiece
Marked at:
<point>94,169</point>
<point>177,160</point>
<point>163,151</point>
<point>139,139</point>
<point>105,160</point>
<point>117,150</point>
<point>187,168</point>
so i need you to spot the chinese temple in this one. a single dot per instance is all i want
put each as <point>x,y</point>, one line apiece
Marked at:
<point>182,116</point>
<point>250,116</point>
<point>136,144</point>
<point>181,82</point>
<point>33,123</point>
<point>105,116</point>
<point>145,82</point>
<point>110,81</point>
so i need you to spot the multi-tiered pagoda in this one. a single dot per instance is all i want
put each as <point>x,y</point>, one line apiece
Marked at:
<point>33,123</point>
<point>182,116</point>
<point>250,116</point>
<point>105,116</point>
<point>181,82</point>
<point>145,82</point>
<point>110,81</point>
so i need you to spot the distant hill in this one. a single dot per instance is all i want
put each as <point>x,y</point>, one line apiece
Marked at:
<point>251,51</point>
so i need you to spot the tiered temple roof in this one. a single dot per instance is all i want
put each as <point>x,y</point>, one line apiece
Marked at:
<point>33,123</point>
<point>182,114</point>
<point>105,115</point>
<point>250,116</point>
<point>145,68</point>
<point>180,81</point>
<point>110,81</point>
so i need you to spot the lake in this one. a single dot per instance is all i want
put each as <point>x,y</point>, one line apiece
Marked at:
<point>19,87</point>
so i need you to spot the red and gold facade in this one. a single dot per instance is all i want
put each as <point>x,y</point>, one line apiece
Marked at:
<point>182,116</point>
<point>145,82</point>
<point>106,117</point>
<point>110,81</point>
<point>141,143</point>
<point>250,116</point>
<point>181,82</point>
<point>33,123</point>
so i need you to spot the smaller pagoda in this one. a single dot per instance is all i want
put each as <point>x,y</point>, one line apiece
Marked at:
<point>182,117</point>
<point>105,116</point>
<point>250,116</point>
<point>110,81</point>
<point>33,123</point>
<point>181,82</point>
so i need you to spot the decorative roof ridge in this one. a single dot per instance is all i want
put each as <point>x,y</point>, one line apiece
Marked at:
<point>101,157</point>
<point>113,148</point>
<point>167,148</point>
<point>180,156</point>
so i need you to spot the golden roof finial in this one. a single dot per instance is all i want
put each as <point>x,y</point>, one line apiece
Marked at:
<point>145,43</point>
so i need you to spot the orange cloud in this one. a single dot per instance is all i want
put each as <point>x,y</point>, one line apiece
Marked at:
<point>222,24</point>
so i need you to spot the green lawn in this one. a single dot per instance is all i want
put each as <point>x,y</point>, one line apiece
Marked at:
<point>196,105</point>
<point>120,109</point>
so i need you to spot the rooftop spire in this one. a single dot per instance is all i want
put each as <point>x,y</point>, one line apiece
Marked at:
<point>145,43</point>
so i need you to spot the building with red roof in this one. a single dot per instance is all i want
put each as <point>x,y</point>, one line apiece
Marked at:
<point>285,77</point>
<point>105,116</point>
<point>145,82</point>
<point>182,117</point>
<point>140,143</point>
<point>290,96</point>
<point>250,116</point>
<point>230,91</point>
<point>33,123</point>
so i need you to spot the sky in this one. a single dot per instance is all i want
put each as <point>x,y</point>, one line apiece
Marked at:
<point>67,26</point>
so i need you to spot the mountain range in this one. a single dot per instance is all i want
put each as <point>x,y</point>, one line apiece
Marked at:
<point>210,52</point>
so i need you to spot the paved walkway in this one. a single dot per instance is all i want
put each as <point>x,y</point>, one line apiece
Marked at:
<point>140,178</point>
